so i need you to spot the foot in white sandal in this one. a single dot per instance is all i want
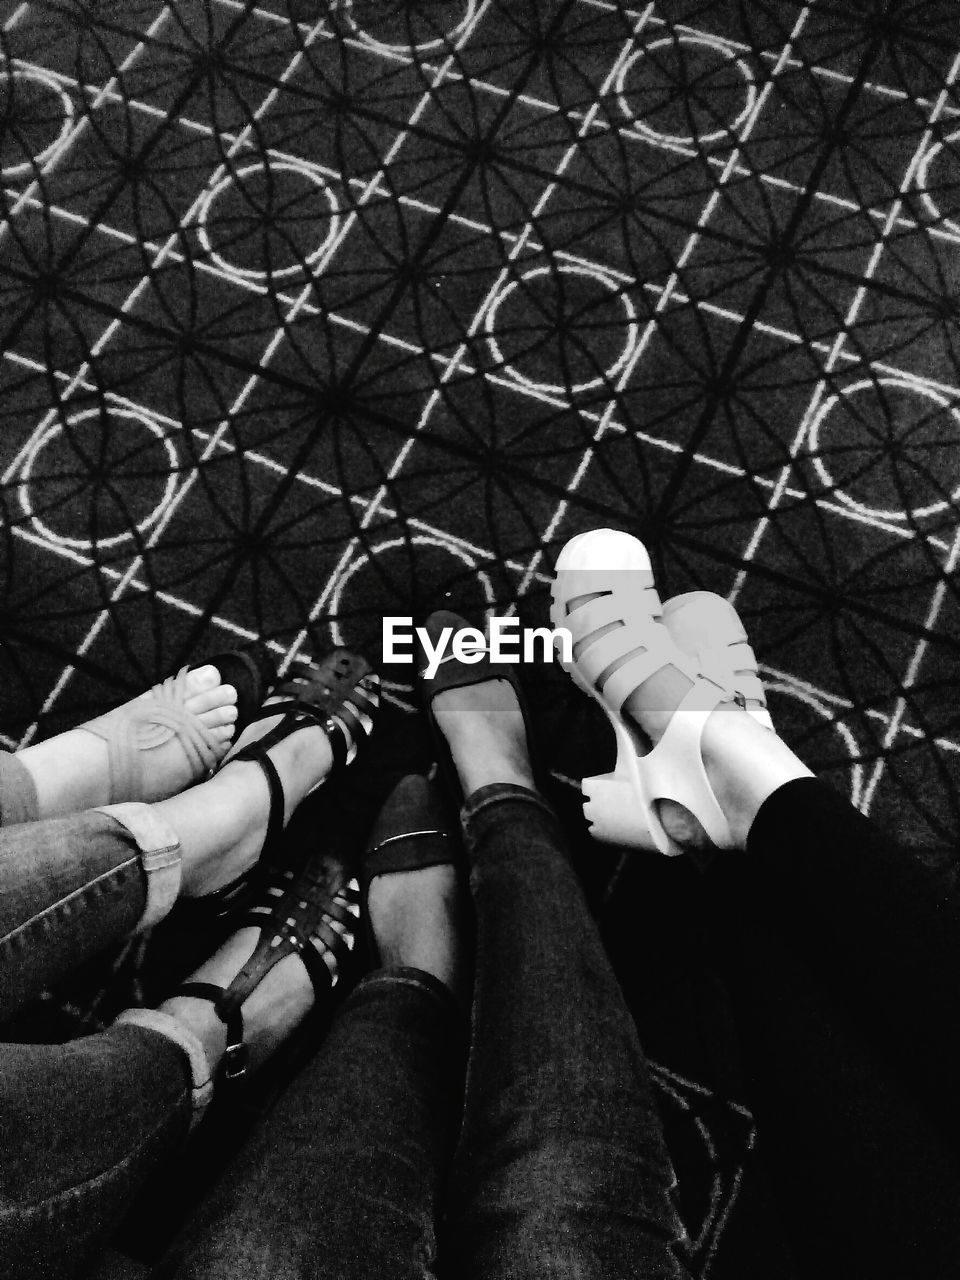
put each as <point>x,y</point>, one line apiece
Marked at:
<point>709,631</point>
<point>668,785</point>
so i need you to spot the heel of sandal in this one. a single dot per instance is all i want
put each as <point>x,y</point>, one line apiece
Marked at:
<point>610,807</point>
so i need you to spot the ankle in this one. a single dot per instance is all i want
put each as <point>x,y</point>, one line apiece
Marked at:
<point>221,825</point>
<point>745,765</point>
<point>271,1012</point>
<point>485,772</point>
<point>303,760</point>
<point>199,1018</point>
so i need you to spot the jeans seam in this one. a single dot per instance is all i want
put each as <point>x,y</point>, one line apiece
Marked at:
<point>51,1202</point>
<point>61,902</point>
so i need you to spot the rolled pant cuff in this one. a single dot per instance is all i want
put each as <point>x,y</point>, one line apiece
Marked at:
<point>404,976</point>
<point>201,1074</point>
<point>504,802</point>
<point>160,857</point>
<point>18,792</point>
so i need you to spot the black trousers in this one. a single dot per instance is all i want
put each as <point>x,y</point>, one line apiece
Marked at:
<point>842,954</point>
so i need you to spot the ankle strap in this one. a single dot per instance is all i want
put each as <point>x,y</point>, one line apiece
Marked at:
<point>233,1064</point>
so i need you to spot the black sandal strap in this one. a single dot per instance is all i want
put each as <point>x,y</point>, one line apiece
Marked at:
<point>340,742</point>
<point>293,917</point>
<point>344,710</point>
<point>322,978</point>
<point>277,798</point>
<point>200,991</point>
<point>233,1064</point>
<point>255,970</point>
<point>220,899</point>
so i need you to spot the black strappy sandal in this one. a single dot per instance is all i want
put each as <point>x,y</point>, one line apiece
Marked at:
<point>340,694</point>
<point>312,914</point>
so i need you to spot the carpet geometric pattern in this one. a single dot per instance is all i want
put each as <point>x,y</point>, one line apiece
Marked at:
<point>315,312</point>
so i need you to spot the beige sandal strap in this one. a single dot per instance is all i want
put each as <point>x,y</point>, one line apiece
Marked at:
<point>143,725</point>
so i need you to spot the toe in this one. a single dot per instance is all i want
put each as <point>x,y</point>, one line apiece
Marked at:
<point>222,695</point>
<point>220,718</point>
<point>202,678</point>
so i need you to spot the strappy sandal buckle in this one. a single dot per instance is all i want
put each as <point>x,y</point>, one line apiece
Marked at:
<point>233,1064</point>
<point>295,916</point>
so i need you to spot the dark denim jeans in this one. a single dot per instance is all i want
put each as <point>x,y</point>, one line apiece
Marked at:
<point>71,886</point>
<point>560,1168</point>
<point>83,1124</point>
<point>377,1163</point>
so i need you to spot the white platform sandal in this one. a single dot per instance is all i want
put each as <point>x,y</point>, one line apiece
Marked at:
<point>708,629</point>
<point>631,643</point>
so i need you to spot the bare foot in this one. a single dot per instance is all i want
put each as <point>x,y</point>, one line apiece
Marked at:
<point>74,771</point>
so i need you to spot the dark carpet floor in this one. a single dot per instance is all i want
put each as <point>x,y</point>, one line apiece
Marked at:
<point>312,313</point>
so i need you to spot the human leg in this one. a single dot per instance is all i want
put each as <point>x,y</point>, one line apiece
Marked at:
<point>873,920</point>
<point>84,1123</point>
<point>343,1176</point>
<point>681,733</point>
<point>866,1173</point>
<point>88,1121</point>
<point>561,1169</point>
<point>71,885</point>
<point>883,924</point>
<point>842,947</point>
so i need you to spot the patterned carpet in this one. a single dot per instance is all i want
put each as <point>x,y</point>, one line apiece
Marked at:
<point>314,312</point>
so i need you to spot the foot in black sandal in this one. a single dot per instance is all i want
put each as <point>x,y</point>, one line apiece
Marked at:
<point>288,953</point>
<point>478,716</point>
<point>155,745</point>
<point>412,884</point>
<point>340,694</point>
<point>226,825</point>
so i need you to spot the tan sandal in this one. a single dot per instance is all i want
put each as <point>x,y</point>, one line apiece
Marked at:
<point>135,729</point>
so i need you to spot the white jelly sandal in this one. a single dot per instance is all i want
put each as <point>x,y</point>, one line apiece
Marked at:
<point>709,630</point>
<point>631,644</point>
